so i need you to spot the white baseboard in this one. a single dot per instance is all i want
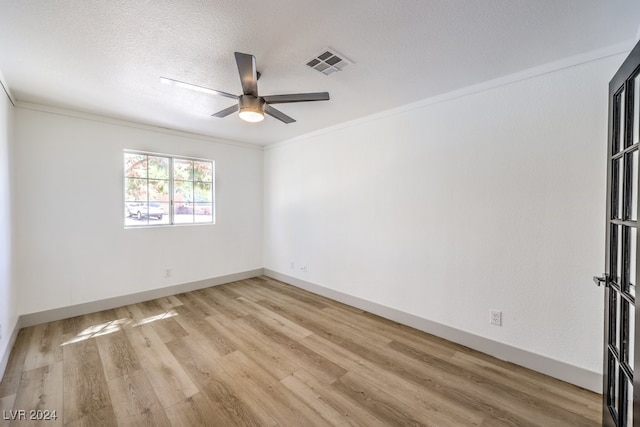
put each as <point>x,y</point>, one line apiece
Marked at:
<point>32,319</point>
<point>572,374</point>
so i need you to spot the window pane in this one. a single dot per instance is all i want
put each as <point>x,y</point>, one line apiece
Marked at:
<point>158,167</point>
<point>203,192</point>
<point>616,340</point>
<point>633,213</point>
<point>135,165</point>
<point>159,190</point>
<point>138,212</point>
<point>203,171</point>
<point>617,184</point>
<point>621,117</point>
<point>633,241</point>
<point>183,213</point>
<point>155,211</point>
<point>164,210</point>
<point>612,389</point>
<point>183,192</point>
<point>629,420</point>
<point>618,256</point>
<point>624,321</point>
<point>636,109</point>
<point>616,395</point>
<point>182,170</point>
<point>135,190</point>
<point>632,330</point>
<point>203,212</point>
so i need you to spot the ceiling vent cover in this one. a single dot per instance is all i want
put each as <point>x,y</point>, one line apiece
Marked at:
<point>328,61</point>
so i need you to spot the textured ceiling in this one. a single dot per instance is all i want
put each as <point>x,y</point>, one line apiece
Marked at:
<point>106,57</point>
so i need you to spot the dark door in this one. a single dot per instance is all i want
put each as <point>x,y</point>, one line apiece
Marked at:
<point>620,390</point>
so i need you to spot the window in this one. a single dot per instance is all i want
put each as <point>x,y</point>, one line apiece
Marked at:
<point>166,190</point>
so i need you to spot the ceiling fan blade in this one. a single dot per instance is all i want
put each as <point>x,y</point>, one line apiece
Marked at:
<point>185,85</point>
<point>296,97</point>
<point>248,73</point>
<point>226,111</point>
<point>278,114</point>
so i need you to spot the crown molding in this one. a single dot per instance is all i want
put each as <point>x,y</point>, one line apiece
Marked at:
<point>5,86</point>
<point>530,73</point>
<point>130,124</point>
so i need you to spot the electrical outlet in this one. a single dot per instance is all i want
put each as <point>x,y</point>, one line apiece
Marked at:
<point>293,265</point>
<point>304,268</point>
<point>167,273</point>
<point>495,317</point>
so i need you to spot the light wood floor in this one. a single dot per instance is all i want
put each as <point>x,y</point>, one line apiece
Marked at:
<point>259,352</point>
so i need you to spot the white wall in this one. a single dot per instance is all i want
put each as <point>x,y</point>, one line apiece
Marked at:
<point>71,245</point>
<point>8,312</point>
<point>494,200</point>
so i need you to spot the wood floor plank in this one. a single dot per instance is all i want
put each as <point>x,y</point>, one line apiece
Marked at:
<point>275,321</point>
<point>315,401</point>
<point>205,331</point>
<point>323,368</point>
<point>377,401</point>
<point>15,366</point>
<point>104,417</point>
<point>430,400</point>
<point>219,304</point>
<point>166,375</point>
<point>295,294</point>
<point>85,386</point>
<point>261,352</point>
<point>256,347</point>
<point>169,302</point>
<point>243,289</point>
<point>45,346</point>
<point>319,323</point>
<point>200,303</point>
<point>40,390</point>
<point>194,411</point>
<point>229,289</point>
<point>393,331</point>
<point>350,411</point>
<point>136,401</point>
<point>263,391</point>
<point>566,396</point>
<point>168,329</point>
<point>117,355</point>
<point>132,313</point>
<point>152,310</point>
<point>215,383</point>
<point>520,404</point>
<point>6,405</point>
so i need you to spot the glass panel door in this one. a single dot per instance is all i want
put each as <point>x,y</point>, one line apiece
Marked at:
<point>622,245</point>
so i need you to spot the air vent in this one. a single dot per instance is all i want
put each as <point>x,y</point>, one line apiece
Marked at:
<point>328,61</point>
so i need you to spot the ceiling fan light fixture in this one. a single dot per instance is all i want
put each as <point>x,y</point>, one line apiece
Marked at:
<point>251,108</point>
<point>251,116</point>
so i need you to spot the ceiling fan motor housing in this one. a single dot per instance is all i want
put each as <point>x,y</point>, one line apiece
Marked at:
<point>251,108</point>
<point>251,103</point>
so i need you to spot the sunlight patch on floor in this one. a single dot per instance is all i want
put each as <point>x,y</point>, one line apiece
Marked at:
<point>115,326</point>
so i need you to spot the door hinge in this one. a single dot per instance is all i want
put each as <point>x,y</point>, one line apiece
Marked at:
<point>601,280</point>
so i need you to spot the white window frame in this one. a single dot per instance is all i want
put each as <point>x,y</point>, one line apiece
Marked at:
<point>171,203</point>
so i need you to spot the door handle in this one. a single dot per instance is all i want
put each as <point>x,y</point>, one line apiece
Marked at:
<point>601,280</point>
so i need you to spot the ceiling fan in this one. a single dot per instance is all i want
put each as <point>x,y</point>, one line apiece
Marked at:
<point>250,106</point>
